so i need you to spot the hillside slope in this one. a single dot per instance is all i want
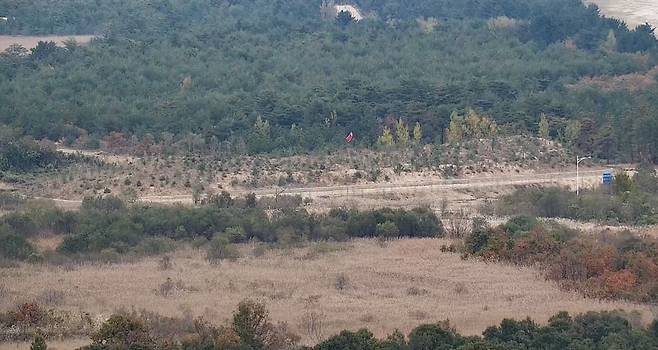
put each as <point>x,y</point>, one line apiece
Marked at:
<point>257,76</point>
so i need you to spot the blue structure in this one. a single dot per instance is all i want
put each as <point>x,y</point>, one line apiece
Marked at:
<point>607,178</point>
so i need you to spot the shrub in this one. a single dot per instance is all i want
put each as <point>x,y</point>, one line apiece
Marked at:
<point>252,324</point>
<point>235,234</point>
<point>607,266</point>
<point>109,225</point>
<point>434,337</point>
<point>632,201</point>
<point>342,282</point>
<point>347,340</point>
<point>388,229</point>
<point>219,249</point>
<point>14,247</point>
<point>38,343</point>
<point>123,332</point>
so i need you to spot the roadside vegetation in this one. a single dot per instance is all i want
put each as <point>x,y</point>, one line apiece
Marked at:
<point>107,227</point>
<point>631,200</point>
<point>606,265</point>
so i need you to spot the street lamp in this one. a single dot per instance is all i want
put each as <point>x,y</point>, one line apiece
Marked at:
<point>578,160</point>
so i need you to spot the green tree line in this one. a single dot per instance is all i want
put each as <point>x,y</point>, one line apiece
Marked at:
<point>263,76</point>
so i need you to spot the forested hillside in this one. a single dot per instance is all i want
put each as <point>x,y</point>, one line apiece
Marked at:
<point>286,75</point>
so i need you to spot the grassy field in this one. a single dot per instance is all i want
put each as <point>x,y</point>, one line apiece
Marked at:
<point>633,12</point>
<point>398,284</point>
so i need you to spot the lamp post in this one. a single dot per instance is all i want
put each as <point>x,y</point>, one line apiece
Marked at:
<point>578,160</point>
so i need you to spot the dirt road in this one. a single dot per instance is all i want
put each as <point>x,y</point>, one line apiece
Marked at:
<point>434,190</point>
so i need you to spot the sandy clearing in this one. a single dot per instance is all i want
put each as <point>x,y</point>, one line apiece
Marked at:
<point>31,41</point>
<point>633,12</point>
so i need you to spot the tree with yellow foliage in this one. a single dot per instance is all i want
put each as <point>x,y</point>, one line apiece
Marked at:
<point>543,127</point>
<point>456,129</point>
<point>418,133</point>
<point>402,133</point>
<point>387,138</point>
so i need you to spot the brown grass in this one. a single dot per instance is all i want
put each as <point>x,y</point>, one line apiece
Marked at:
<point>472,294</point>
<point>29,42</point>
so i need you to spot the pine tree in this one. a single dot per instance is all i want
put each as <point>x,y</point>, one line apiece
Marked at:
<point>418,133</point>
<point>402,133</point>
<point>610,44</point>
<point>387,138</point>
<point>543,127</point>
<point>572,132</point>
<point>262,127</point>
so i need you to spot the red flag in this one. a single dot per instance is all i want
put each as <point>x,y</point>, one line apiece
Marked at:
<point>349,137</point>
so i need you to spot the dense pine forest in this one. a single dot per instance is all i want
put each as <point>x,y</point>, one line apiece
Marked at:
<point>291,76</point>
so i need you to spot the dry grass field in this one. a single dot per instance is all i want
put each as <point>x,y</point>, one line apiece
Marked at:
<point>398,284</point>
<point>633,12</point>
<point>31,41</point>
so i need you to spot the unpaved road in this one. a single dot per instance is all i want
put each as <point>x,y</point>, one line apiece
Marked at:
<point>353,192</point>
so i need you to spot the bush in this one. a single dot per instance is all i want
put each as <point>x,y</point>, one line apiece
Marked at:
<point>109,225</point>
<point>123,332</point>
<point>38,343</point>
<point>219,249</point>
<point>14,247</point>
<point>619,266</point>
<point>252,324</point>
<point>387,229</point>
<point>342,282</point>
<point>347,340</point>
<point>434,337</point>
<point>633,201</point>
